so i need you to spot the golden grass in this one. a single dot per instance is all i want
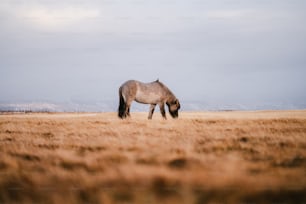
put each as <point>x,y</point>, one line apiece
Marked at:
<point>203,157</point>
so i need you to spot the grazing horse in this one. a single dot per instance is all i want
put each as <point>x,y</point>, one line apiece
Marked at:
<point>147,93</point>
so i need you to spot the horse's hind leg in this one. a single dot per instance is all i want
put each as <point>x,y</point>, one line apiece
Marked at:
<point>162,110</point>
<point>127,109</point>
<point>128,112</point>
<point>152,107</point>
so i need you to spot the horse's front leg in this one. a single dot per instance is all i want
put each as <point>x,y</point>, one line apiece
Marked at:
<point>162,110</point>
<point>152,107</point>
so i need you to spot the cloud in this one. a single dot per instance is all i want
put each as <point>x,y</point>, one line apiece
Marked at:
<point>47,17</point>
<point>44,16</point>
<point>71,46</point>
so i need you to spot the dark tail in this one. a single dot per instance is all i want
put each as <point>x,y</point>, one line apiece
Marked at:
<point>121,109</point>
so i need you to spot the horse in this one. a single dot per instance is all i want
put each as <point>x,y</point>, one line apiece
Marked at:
<point>154,93</point>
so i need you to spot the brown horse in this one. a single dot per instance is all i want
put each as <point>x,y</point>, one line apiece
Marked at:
<point>147,93</point>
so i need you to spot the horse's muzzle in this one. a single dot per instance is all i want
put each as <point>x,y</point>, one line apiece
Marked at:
<point>174,114</point>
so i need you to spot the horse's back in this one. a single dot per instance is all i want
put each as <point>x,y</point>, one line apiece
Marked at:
<point>148,93</point>
<point>151,93</point>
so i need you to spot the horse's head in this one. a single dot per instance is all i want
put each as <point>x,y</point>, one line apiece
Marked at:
<point>174,106</point>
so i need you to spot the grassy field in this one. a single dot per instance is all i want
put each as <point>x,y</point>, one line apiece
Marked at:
<point>202,157</point>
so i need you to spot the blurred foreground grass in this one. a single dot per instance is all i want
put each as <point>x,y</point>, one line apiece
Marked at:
<point>203,157</point>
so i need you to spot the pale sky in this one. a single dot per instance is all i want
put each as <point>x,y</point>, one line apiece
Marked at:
<point>228,51</point>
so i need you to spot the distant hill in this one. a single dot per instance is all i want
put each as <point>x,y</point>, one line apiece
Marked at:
<point>111,106</point>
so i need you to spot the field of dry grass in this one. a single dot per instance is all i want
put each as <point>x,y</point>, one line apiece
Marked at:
<point>203,157</point>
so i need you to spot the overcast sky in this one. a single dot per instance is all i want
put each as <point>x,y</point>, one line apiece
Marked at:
<point>229,51</point>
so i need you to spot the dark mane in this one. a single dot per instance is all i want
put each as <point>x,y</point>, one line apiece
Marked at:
<point>161,84</point>
<point>165,88</point>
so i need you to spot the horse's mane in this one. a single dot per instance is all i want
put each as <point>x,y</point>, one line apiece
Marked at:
<point>166,88</point>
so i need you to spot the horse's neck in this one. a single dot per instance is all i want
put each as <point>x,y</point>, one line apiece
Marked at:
<point>170,95</point>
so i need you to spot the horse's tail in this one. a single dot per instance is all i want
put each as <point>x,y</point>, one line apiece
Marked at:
<point>122,105</point>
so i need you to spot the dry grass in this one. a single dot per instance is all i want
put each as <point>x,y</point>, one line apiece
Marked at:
<point>205,157</point>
